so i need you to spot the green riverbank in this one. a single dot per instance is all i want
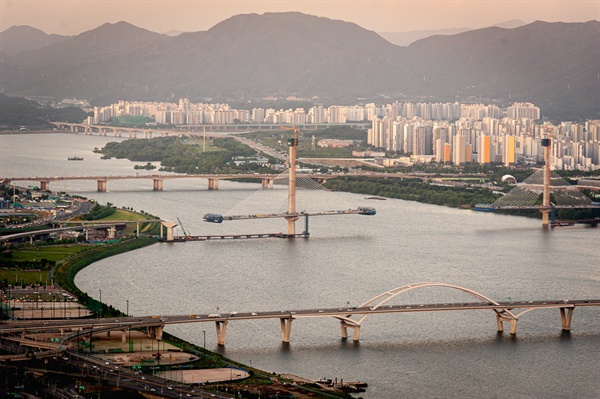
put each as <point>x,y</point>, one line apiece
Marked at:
<point>259,382</point>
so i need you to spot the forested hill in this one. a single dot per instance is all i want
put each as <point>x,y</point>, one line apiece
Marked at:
<point>16,112</point>
<point>554,65</point>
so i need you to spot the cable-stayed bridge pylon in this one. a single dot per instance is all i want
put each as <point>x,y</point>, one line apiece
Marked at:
<point>294,182</point>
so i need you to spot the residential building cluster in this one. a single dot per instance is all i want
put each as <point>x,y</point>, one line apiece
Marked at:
<point>489,135</point>
<point>187,113</point>
<point>450,133</point>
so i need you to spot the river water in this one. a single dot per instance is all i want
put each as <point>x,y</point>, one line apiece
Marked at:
<point>348,260</point>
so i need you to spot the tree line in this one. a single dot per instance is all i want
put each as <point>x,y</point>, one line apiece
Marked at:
<point>414,189</point>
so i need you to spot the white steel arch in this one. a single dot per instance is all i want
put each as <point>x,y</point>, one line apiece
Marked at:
<point>382,298</point>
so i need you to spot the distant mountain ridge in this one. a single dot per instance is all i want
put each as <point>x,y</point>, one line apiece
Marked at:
<point>23,38</point>
<point>278,54</point>
<point>406,38</point>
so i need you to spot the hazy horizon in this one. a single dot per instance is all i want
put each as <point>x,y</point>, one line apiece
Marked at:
<point>72,17</point>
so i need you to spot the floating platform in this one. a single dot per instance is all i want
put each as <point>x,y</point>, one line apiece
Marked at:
<point>484,208</point>
<point>591,222</point>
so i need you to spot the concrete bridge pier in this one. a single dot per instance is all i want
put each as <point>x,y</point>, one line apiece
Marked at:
<point>221,327</point>
<point>513,323</point>
<point>158,184</point>
<point>101,186</point>
<point>286,329</point>
<point>291,224</point>
<point>566,314</point>
<point>345,326</point>
<point>169,226</point>
<point>155,332</point>
<point>545,218</point>
<point>112,232</point>
<point>213,184</point>
<point>45,185</point>
<point>267,183</point>
<point>73,129</point>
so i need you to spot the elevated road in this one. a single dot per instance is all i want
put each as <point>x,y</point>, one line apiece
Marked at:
<point>74,226</point>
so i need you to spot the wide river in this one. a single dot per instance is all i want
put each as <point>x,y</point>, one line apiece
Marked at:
<point>348,260</point>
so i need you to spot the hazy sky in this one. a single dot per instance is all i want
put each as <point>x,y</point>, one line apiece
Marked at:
<point>70,17</point>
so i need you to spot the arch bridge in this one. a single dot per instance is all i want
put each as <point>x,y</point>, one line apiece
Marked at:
<point>350,317</point>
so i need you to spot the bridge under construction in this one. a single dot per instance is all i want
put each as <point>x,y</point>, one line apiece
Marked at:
<point>292,215</point>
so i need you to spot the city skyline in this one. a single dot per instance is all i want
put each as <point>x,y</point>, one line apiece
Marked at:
<point>440,132</point>
<point>72,17</point>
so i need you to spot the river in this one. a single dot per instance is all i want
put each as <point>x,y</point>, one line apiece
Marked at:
<point>348,260</point>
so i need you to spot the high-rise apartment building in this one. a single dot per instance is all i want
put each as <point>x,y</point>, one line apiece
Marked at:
<point>523,110</point>
<point>509,157</point>
<point>485,150</point>
<point>460,150</point>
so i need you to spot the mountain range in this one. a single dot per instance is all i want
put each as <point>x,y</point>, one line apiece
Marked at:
<point>406,38</point>
<point>554,65</point>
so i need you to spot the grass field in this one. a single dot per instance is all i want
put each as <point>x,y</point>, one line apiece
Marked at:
<point>50,252</point>
<point>26,277</point>
<point>121,214</point>
<point>54,252</point>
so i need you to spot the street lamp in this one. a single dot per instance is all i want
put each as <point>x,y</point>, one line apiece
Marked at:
<point>204,347</point>
<point>100,302</point>
<point>127,314</point>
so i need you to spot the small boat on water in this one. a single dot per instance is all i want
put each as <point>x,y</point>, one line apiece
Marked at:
<point>75,159</point>
<point>366,210</point>
<point>376,198</point>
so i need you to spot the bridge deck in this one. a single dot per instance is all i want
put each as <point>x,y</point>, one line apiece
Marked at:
<point>158,320</point>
